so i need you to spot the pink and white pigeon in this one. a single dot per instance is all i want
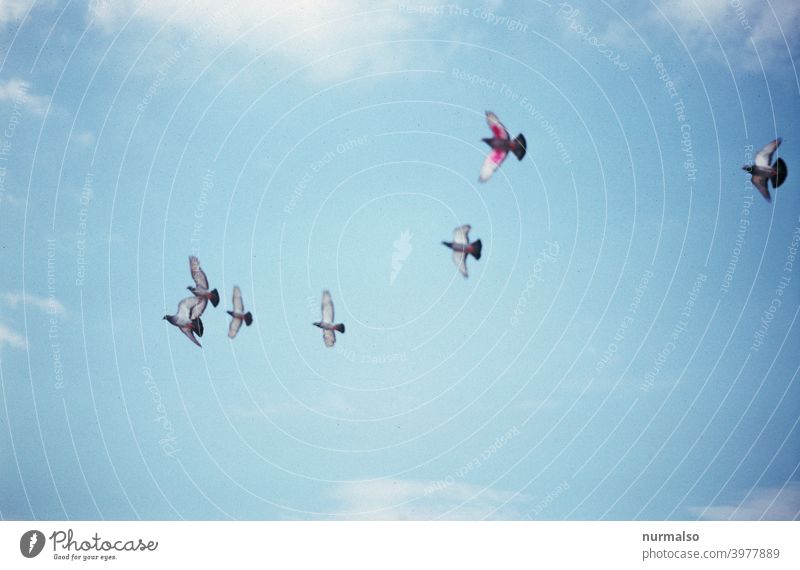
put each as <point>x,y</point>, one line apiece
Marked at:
<point>462,248</point>
<point>764,170</point>
<point>200,288</point>
<point>501,144</point>
<point>326,324</point>
<point>238,314</point>
<point>187,318</point>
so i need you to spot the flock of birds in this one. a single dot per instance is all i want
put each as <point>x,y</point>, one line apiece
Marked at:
<point>190,309</point>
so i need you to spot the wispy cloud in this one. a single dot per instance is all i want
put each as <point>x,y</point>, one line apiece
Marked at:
<point>11,10</point>
<point>701,23</point>
<point>404,499</point>
<point>49,305</point>
<point>11,338</point>
<point>301,31</point>
<point>17,92</point>
<point>763,503</point>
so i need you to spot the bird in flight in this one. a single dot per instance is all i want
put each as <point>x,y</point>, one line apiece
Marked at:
<point>501,143</point>
<point>326,324</point>
<point>200,289</point>
<point>238,314</point>
<point>462,248</point>
<point>187,318</point>
<point>764,169</point>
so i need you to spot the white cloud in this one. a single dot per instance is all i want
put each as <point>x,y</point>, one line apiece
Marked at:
<point>47,305</point>
<point>82,138</point>
<point>735,24</point>
<point>16,91</point>
<point>399,499</point>
<point>9,337</point>
<point>764,503</point>
<point>14,9</point>
<point>301,31</point>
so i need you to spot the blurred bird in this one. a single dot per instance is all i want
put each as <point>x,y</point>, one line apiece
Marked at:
<point>462,248</point>
<point>238,314</point>
<point>762,170</point>
<point>187,319</point>
<point>201,284</point>
<point>501,144</point>
<point>326,324</point>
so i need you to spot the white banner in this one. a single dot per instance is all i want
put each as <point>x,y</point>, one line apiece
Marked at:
<point>389,545</point>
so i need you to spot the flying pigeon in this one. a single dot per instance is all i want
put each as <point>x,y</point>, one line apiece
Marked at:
<point>762,171</point>
<point>188,318</point>
<point>462,248</point>
<point>200,289</point>
<point>238,314</point>
<point>501,143</point>
<point>326,324</point>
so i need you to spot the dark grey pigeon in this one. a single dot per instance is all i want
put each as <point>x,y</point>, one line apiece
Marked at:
<point>765,170</point>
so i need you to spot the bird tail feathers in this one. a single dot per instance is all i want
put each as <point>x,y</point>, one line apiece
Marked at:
<point>213,296</point>
<point>339,327</point>
<point>476,249</point>
<point>519,146</point>
<point>781,172</point>
<point>197,326</point>
<point>248,318</point>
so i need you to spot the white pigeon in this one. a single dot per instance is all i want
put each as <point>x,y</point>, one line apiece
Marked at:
<point>187,318</point>
<point>462,248</point>
<point>238,314</point>
<point>763,170</point>
<point>326,324</point>
<point>201,284</point>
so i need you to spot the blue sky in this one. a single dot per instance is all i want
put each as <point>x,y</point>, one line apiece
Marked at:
<point>624,349</point>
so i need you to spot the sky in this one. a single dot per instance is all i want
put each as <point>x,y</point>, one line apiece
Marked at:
<point>625,348</point>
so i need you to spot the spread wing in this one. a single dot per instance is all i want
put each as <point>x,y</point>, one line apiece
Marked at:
<point>492,162</point>
<point>764,156</point>
<point>188,306</point>
<point>198,275</point>
<point>238,305</point>
<point>198,308</point>
<point>498,130</point>
<point>461,234</point>
<point>327,309</point>
<point>460,259</point>
<point>761,183</point>
<point>236,323</point>
<point>329,337</point>
<point>190,335</point>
